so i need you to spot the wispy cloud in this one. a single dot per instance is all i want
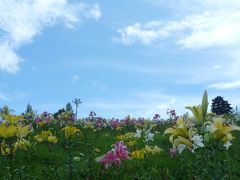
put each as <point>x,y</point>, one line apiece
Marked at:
<point>99,86</point>
<point>226,85</point>
<point>221,28</point>
<point>193,6</point>
<point>13,96</point>
<point>21,21</point>
<point>4,97</point>
<point>75,78</point>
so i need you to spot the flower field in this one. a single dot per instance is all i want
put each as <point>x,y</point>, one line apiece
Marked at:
<point>200,146</point>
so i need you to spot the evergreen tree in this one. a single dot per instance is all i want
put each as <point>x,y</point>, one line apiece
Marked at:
<point>29,113</point>
<point>69,107</point>
<point>29,109</point>
<point>5,110</point>
<point>220,106</point>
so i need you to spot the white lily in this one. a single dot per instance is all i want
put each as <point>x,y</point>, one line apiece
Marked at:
<point>181,147</point>
<point>197,140</point>
<point>227,145</point>
<point>138,133</point>
<point>149,137</point>
<point>211,128</point>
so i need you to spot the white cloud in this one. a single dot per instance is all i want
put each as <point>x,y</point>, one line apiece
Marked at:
<point>137,32</point>
<point>9,60</point>
<point>12,97</point>
<point>21,21</point>
<point>221,28</point>
<point>212,29</point>
<point>217,67</point>
<point>75,78</point>
<point>95,12</point>
<point>99,86</point>
<point>226,85</point>
<point>193,6</point>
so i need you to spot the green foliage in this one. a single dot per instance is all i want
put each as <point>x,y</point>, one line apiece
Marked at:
<point>55,115</point>
<point>52,161</point>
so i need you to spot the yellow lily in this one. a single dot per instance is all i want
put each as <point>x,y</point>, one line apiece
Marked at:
<point>147,149</point>
<point>138,154</point>
<point>182,140</point>
<point>46,136</point>
<point>126,137</point>
<point>131,143</point>
<point>12,119</point>
<point>220,130</point>
<point>7,131</point>
<point>180,130</point>
<point>70,131</point>
<point>22,131</point>
<point>181,134</point>
<point>152,149</point>
<point>52,139</point>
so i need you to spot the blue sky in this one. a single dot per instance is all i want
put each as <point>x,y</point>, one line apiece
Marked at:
<point>137,57</point>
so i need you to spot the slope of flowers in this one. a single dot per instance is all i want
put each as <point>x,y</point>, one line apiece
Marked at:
<point>202,146</point>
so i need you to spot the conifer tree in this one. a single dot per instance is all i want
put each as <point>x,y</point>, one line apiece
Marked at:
<point>220,106</point>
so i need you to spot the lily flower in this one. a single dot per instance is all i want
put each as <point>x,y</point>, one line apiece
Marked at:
<point>180,130</point>
<point>198,141</point>
<point>149,137</point>
<point>152,149</point>
<point>182,141</point>
<point>22,131</point>
<point>180,148</point>
<point>114,156</point>
<point>227,145</point>
<point>138,154</point>
<point>46,136</point>
<point>52,139</point>
<point>138,133</point>
<point>173,152</point>
<point>121,151</point>
<point>220,130</point>
<point>7,131</point>
<point>108,159</point>
<point>70,131</point>
<point>12,119</point>
<point>156,150</point>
